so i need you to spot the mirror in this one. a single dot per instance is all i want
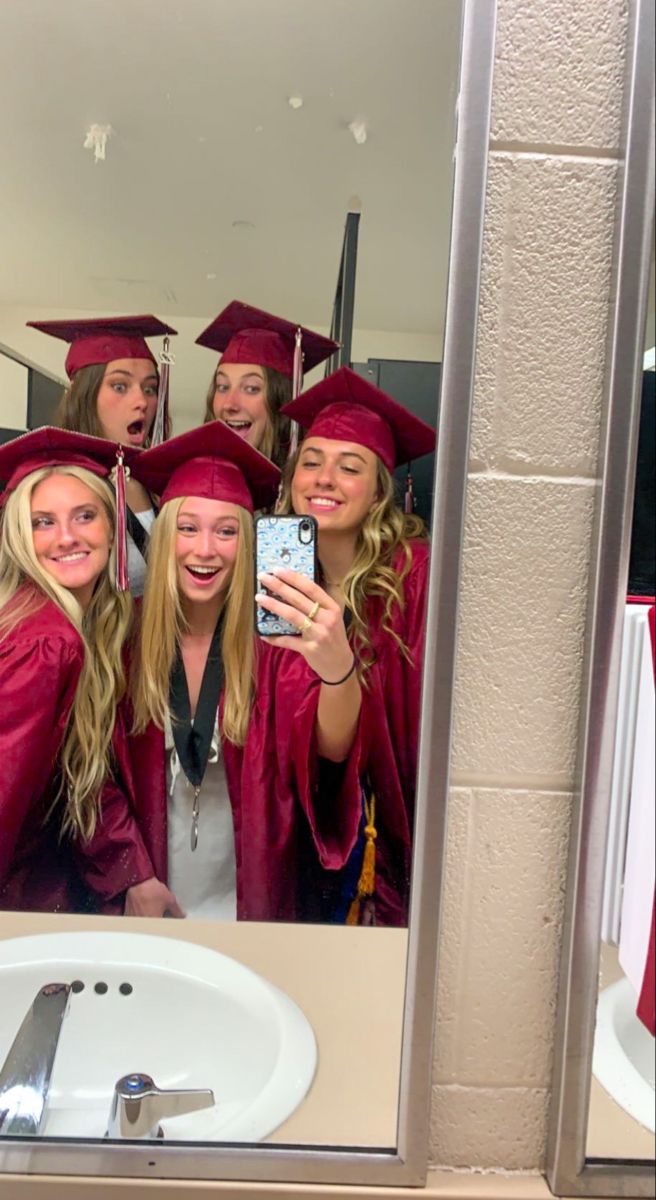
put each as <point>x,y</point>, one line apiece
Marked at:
<point>168,161</point>
<point>621,1114</point>
<point>601,1140</point>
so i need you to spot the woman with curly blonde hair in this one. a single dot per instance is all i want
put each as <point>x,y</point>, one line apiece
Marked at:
<point>63,623</point>
<point>374,559</point>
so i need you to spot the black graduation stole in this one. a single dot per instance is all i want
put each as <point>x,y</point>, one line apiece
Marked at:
<point>193,742</point>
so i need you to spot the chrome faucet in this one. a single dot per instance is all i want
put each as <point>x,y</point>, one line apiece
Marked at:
<point>25,1076</point>
<point>138,1106</point>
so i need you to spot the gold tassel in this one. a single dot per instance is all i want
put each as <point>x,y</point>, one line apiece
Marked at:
<point>367,881</point>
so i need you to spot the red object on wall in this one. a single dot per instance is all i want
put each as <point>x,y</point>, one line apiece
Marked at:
<point>647,1003</point>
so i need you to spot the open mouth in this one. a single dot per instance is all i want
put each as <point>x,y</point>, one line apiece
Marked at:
<point>203,574</point>
<point>241,427</point>
<point>137,430</point>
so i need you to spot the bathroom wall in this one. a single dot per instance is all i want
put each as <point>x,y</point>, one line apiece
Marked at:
<point>540,363</point>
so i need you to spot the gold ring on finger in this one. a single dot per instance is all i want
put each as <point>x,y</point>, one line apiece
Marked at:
<point>307,624</point>
<point>313,611</point>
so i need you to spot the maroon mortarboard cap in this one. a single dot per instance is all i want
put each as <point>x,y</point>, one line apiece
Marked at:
<point>347,408</point>
<point>250,335</point>
<point>104,339</point>
<point>212,462</point>
<point>49,447</point>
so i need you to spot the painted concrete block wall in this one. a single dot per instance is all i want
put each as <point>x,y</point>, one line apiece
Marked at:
<point>533,479</point>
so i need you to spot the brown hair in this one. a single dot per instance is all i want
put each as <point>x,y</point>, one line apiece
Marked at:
<point>78,408</point>
<point>277,391</point>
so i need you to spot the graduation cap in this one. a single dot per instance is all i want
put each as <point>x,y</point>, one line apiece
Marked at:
<point>347,408</point>
<point>98,340</point>
<point>212,462</point>
<point>50,447</point>
<point>249,335</point>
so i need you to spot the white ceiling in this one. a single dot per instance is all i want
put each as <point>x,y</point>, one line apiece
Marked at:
<point>196,92</point>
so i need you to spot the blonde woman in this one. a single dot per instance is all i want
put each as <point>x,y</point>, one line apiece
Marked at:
<point>114,393</point>
<point>374,559</point>
<point>62,628</point>
<point>231,731</point>
<point>262,361</point>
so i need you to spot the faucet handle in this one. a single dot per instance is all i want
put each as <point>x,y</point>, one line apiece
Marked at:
<point>138,1106</point>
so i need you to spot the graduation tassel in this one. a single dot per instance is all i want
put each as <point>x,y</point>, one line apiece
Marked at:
<point>119,473</point>
<point>161,424</point>
<point>297,383</point>
<point>367,881</point>
<point>409,498</point>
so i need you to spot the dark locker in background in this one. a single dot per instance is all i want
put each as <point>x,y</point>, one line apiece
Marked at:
<point>416,385</point>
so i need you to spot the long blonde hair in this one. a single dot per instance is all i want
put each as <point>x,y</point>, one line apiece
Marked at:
<point>85,755</point>
<point>163,623</point>
<point>374,572</point>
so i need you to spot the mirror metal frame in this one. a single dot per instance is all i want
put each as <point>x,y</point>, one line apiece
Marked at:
<point>568,1171</point>
<point>407,1163</point>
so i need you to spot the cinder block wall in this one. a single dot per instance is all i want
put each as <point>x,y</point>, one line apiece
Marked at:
<point>533,472</point>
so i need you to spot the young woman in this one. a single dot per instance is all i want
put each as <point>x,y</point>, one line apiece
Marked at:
<point>113,394</point>
<point>62,628</point>
<point>261,366</point>
<point>374,559</point>
<point>231,730</point>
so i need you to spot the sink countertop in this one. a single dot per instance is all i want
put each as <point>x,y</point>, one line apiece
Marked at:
<point>350,984</point>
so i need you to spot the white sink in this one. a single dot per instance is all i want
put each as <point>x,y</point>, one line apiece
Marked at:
<point>186,1015</point>
<point>623,1059</point>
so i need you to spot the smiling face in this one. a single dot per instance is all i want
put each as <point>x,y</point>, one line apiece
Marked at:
<point>336,482</point>
<point>240,399</point>
<point>127,400</point>
<point>71,533</point>
<point>206,545</point>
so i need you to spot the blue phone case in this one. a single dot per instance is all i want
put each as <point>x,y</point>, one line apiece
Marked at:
<point>283,542</point>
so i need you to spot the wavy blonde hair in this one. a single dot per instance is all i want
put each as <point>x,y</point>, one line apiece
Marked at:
<point>277,391</point>
<point>385,530</point>
<point>163,622</point>
<point>85,754</point>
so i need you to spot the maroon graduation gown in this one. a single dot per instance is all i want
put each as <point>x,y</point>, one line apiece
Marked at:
<point>274,786</point>
<point>40,664</point>
<point>391,700</point>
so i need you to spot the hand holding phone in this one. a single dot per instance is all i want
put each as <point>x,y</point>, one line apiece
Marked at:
<point>287,542</point>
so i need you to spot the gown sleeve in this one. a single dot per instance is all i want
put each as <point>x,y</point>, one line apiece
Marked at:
<point>38,678</point>
<point>328,793</point>
<point>115,858</point>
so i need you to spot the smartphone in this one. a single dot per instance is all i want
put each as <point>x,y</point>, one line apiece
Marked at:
<point>283,542</point>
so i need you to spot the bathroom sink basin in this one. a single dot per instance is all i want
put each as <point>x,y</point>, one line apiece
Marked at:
<point>623,1058</point>
<point>186,1015</point>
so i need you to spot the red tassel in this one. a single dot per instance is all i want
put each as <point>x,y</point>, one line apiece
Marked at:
<point>297,384</point>
<point>161,425</point>
<point>409,498</point>
<point>122,581</point>
<point>297,370</point>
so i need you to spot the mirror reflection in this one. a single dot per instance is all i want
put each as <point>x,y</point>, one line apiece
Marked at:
<point>621,1116</point>
<point>225,245</point>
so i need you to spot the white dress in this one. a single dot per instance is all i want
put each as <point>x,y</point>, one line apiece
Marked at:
<point>136,564</point>
<point>203,880</point>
